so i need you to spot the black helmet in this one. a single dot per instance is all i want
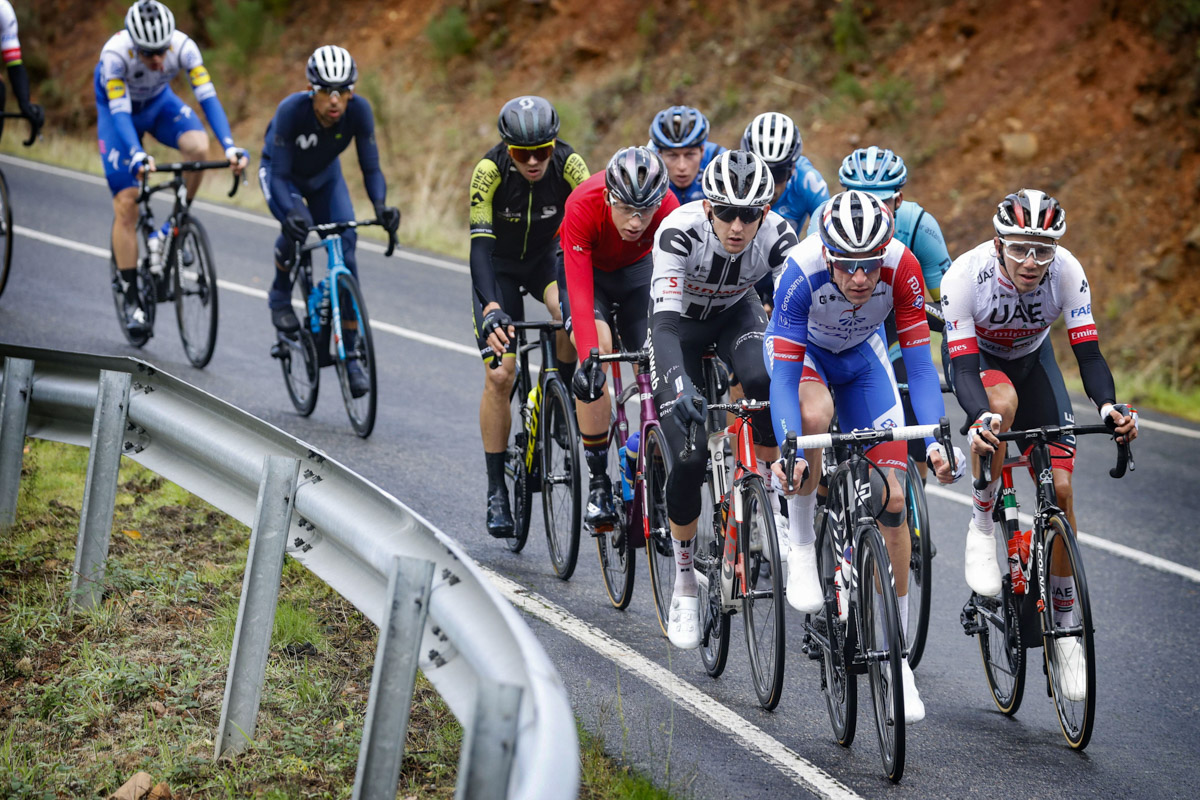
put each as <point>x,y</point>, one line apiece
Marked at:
<point>528,121</point>
<point>637,177</point>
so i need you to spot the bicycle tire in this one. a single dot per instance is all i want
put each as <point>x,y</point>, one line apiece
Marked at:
<point>6,232</point>
<point>561,478</point>
<point>1076,716</point>
<point>880,629</point>
<point>657,461</point>
<point>361,410</point>
<point>195,290</point>
<point>920,567</point>
<point>1001,649</point>
<point>839,682</point>
<point>762,604</point>
<point>146,293</point>
<point>613,548</point>
<point>516,474</point>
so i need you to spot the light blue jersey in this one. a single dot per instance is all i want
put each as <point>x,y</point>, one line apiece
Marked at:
<point>804,193</point>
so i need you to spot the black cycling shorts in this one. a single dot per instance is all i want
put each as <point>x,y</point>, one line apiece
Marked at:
<point>533,276</point>
<point>1042,397</point>
<point>629,289</point>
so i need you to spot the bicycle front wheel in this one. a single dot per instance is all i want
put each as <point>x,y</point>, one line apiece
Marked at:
<point>1000,647</point>
<point>516,474</point>
<point>561,480</point>
<point>613,547</point>
<point>882,646</point>
<point>920,568</point>
<point>762,602</point>
<point>6,233</point>
<point>360,355</point>
<point>1070,650</point>
<point>660,550</point>
<point>195,280</point>
<point>839,683</point>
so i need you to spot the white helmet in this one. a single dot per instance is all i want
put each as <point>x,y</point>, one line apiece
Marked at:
<point>856,223</point>
<point>332,66</point>
<point>738,178</point>
<point>1030,212</point>
<point>150,25</point>
<point>773,137</point>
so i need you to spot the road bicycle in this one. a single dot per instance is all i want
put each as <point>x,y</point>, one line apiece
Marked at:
<point>868,639</point>
<point>1028,613</point>
<point>180,269</point>
<point>543,453</point>
<point>6,214</point>
<point>334,330</point>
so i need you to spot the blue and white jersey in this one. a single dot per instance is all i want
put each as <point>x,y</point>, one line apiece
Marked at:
<point>10,45</point>
<point>695,191</point>
<point>803,194</point>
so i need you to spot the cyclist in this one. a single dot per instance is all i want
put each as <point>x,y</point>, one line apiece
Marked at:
<point>881,172</point>
<point>708,255</point>
<point>607,234</point>
<point>10,49</point>
<point>680,135</point>
<point>836,291</point>
<point>999,300</point>
<point>134,97</point>
<point>518,191</point>
<point>300,166</point>
<point>799,187</point>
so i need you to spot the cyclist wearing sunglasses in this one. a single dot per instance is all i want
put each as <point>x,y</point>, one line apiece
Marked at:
<point>799,187</point>
<point>607,234</point>
<point>680,135</point>
<point>133,98</point>
<point>826,349</point>
<point>301,177</point>
<point>708,255</point>
<point>518,193</point>
<point>999,301</point>
<point>10,48</point>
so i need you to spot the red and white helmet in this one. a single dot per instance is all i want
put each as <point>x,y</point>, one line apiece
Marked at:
<point>1030,212</point>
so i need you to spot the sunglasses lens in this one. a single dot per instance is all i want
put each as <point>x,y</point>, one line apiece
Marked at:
<point>152,53</point>
<point>852,265</point>
<point>1019,251</point>
<point>525,155</point>
<point>730,213</point>
<point>781,173</point>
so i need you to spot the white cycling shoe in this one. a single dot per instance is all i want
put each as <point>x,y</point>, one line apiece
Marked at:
<point>1071,669</point>
<point>914,708</point>
<point>982,569</point>
<point>804,592</point>
<point>683,622</point>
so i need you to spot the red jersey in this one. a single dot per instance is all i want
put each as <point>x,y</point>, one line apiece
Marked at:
<point>590,241</point>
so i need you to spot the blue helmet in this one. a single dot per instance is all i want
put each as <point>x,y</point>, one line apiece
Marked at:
<point>873,169</point>
<point>679,126</point>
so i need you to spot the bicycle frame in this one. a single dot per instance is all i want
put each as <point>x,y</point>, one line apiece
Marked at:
<point>639,534</point>
<point>179,213</point>
<point>523,383</point>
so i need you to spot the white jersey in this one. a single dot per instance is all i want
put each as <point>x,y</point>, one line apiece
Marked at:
<point>695,276</point>
<point>10,46</point>
<point>128,82</point>
<point>984,312</point>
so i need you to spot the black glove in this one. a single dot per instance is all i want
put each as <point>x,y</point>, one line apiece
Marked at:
<point>496,318</point>
<point>389,217</point>
<point>588,381</point>
<point>295,225</point>
<point>688,407</point>
<point>37,117</point>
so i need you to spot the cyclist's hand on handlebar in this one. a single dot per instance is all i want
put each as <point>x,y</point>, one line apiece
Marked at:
<point>979,435</point>
<point>588,381</point>
<point>688,407</point>
<point>1122,420</point>
<point>799,473</point>
<point>238,159</point>
<point>936,456</point>
<point>296,224</point>
<point>389,217</point>
<point>140,164</point>
<point>497,330</point>
<point>37,117</point>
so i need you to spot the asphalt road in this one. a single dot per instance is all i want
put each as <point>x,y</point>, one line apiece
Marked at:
<point>655,707</point>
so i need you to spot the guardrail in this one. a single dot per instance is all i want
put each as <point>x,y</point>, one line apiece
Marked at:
<point>476,650</point>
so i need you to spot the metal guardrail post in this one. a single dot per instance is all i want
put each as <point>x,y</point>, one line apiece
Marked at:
<point>100,489</point>
<point>14,412</point>
<point>256,610</point>
<point>490,744</point>
<point>393,679</point>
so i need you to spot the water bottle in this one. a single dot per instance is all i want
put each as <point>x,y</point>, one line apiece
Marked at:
<point>154,244</point>
<point>1018,561</point>
<point>325,306</point>
<point>629,454</point>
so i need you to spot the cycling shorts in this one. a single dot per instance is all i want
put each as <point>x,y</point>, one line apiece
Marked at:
<point>166,118</point>
<point>533,276</point>
<point>628,288</point>
<point>1042,397</point>
<point>328,200</point>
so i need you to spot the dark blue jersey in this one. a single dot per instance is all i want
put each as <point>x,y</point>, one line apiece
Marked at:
<point>297,146</point>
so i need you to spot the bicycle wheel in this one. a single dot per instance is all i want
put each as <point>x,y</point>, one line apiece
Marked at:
<point>561,481</point>
<point>839,683</point>
<point>1070,650</point>
<point>762,603</point>
<point>920,568</point>
<point>660,550</point>
<point>6,233</point>
<point>195,285</point>
<point>613,547</point>
<point>516,474</point>
<point>1000,647</point>
<point>882,646</point>
<point>146,293</point>
<point>360,348</point>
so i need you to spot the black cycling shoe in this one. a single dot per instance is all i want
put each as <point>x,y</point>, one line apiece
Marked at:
<point>600,512</point>
<point>284,320</point>
<point>135,318</point>
<point>499,517</point>
<point>359,385</point>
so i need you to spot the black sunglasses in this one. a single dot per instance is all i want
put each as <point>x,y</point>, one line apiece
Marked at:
<point>730,213</point>
<point>148,53</point>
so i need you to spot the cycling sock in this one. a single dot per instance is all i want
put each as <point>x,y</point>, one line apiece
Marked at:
<point>685,576</point>
<point>985,503</point>
<point>1062,592</point>
<point>130,278</point>
<point>283,281</point>
<point>495,469</point>
<point>595,451</point>
<point>801,508</point>
<point>902,603</point>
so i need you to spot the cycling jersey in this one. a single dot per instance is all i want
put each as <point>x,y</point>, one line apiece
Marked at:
<point>513,219</point>
<point>590,241</point>
<point>804,192</point>
<point>695,191</point>
<point>10,46</point>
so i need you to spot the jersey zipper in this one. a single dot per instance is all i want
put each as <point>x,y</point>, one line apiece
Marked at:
<point>528,223</point>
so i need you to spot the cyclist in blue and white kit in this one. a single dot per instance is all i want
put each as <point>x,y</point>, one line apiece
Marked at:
<point>133,98</point>
<point>10,48</point>
<point>300,165</point>
<point>882,173</point>
<point>680,135</point>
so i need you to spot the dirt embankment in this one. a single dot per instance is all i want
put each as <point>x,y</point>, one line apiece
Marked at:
<point>1095,101</point>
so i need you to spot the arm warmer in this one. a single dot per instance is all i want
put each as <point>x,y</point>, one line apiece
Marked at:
<point>1093,369</point>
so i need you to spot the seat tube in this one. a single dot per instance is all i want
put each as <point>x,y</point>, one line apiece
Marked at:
<point>1043,475</point>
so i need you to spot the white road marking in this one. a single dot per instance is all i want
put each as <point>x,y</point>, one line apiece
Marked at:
<point>720,717</point>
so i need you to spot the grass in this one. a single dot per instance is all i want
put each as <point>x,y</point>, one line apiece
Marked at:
<point>137,684</point>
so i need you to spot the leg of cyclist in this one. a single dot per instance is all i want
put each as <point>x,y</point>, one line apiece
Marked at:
<point>279,297</point>
<point>981,568</point>
<point>594,419</point>
<point>176,125</point>
<point>123,185</point>
<point>565,351</point>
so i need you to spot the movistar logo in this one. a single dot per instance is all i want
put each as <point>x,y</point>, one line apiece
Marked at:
<point>306,141</point>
